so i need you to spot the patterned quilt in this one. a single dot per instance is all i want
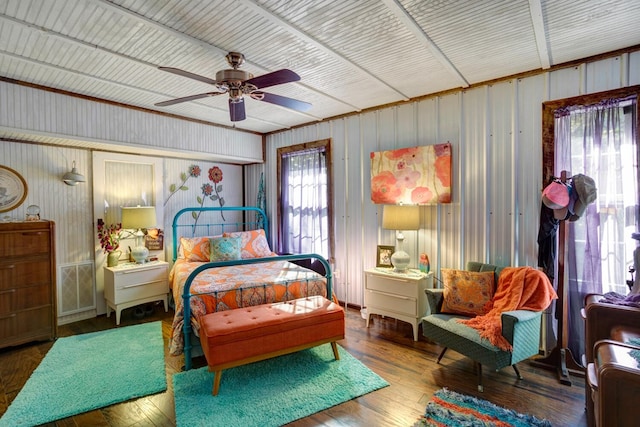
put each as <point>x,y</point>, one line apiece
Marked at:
<point>226,288</point>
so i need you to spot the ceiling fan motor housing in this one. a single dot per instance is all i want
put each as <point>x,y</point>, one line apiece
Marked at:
<point>232,78</point>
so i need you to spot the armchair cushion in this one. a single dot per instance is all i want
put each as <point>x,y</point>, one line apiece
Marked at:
<point>467,292</point>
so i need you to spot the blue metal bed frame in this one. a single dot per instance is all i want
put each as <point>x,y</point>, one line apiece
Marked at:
<point>186,294</point>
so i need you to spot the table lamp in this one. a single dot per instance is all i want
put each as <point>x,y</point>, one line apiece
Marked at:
<point>138,218</point>
<point>399,218</point>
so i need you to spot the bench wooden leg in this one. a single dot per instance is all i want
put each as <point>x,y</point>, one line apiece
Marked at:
<point>216,383</point>
<point>334,346</point>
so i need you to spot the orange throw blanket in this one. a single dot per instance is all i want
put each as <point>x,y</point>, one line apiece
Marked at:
<point>519,288</point>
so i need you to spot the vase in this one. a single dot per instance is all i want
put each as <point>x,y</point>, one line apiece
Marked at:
<point>113,258</point>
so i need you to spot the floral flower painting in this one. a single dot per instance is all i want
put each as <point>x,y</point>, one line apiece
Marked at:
<point>412,176</point>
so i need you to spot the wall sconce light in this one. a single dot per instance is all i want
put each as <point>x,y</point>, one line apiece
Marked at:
<point>399,217</point>
<point>73,177</point>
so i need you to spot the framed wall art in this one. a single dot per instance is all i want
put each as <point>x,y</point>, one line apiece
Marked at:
<point>412,176</point>
<point>383,256</point>
<point>13,189</point>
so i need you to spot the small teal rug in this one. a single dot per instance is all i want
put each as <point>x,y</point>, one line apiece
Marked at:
<point>272,392</point>
<point>89,371</point>
<point>448,408</point>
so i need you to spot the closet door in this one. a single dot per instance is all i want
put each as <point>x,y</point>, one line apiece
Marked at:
<point>122,180</point>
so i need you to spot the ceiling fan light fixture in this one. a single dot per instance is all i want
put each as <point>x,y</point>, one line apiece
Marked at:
<point>237,83</point>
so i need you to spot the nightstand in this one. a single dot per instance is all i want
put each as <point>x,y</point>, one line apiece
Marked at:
<point>129,284</point>
<point>397,295</point>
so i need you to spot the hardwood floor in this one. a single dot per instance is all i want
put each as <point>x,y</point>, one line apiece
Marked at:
<point>387,348</point>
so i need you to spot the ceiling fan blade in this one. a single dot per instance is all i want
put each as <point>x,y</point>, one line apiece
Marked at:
<point>186,98</point>
<point>283,101</point>
<point>236,110</point>
<point>275,78</point>
<point>188,74</point>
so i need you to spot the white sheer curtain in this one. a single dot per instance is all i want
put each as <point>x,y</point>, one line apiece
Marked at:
<point>305,225</point>
<point>599,142</point>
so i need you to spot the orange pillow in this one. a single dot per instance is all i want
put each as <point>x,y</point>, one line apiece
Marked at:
<point>467,292</point>
<point>254,243</point>
<point>195,249</point>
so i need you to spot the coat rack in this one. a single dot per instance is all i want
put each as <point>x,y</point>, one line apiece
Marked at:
<point>560,357</point>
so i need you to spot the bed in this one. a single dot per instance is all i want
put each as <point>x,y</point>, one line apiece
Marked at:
<point>205,278</point>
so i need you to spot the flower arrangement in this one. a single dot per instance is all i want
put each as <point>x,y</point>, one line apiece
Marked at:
<point>109,236</point>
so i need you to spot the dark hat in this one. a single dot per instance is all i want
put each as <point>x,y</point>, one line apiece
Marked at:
<point>585,188</point>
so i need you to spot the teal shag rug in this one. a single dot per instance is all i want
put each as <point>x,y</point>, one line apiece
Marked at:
<point>84,372</point>
<point>448,408</point>
<point>272,392</point>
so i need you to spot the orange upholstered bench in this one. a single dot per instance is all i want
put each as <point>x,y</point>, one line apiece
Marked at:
<point>245,335</point>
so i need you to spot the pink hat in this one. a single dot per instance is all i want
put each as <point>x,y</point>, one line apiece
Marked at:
<point>555,195</point>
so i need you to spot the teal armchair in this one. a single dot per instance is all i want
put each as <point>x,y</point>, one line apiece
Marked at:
<point>521,328</point>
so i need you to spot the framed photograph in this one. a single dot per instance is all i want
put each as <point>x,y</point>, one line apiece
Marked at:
<point>13,189</point>
<point>383,257</point>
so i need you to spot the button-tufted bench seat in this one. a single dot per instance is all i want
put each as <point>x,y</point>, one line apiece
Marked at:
<point>245,335</point>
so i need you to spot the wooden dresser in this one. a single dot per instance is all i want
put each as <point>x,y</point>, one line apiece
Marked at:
<point>27,282</point>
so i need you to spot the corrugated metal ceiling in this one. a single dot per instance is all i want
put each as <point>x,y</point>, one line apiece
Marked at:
<point>351,54</point>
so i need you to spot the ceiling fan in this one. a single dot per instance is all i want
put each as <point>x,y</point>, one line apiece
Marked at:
<point>238,83</point>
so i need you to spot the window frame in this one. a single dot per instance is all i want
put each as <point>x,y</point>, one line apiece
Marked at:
<point>282,151</point>
<point>548,122</point>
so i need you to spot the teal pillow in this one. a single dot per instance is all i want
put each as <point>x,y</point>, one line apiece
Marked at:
<point>225,248</point>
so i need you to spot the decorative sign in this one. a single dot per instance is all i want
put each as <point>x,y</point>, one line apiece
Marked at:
<point>412,176</point>
<point>154,240</point>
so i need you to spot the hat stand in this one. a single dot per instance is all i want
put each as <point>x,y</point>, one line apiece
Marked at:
<point>560,357</point>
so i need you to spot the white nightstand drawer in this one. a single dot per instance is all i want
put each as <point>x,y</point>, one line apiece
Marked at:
<point>391,285</point>
<point>392,302</point>
<point>126,278</point>
<point>136,291</point>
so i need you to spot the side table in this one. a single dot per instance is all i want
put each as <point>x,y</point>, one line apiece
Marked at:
<point>129,284</point>
<point>397,295</point>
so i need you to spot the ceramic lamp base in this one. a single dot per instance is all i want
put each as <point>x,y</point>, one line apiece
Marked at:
<point>139,254</point>
<point>400,260</point>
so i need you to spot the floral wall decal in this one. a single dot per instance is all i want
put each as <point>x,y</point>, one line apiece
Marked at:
<point>210,190</point>
<point>194,172</point>
<point>414,175</point>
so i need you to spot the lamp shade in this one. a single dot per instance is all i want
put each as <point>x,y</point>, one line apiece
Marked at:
<point>139,217</point>
<point>401,217</point>
<point>73,177</point>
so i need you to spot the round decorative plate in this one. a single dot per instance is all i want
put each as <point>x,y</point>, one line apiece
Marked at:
<point>13,189</point>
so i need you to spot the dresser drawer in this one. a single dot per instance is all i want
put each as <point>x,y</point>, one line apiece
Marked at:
<point>392,302</point>
<point>24,298</point>
<point>25,326</point>
<point>20,274</point>
<point>25,243</point>
<point>392,285</point>
<point>124,279</point>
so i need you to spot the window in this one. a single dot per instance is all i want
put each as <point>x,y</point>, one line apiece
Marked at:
<point>595,135</point>
<point>304,199</point>
<point>598,140</point>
